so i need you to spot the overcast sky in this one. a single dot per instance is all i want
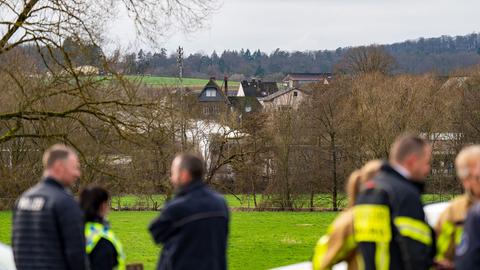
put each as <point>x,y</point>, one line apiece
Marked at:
<point>317,24</point>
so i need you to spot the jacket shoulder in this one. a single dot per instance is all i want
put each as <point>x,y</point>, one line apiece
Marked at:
<point>457,209</point>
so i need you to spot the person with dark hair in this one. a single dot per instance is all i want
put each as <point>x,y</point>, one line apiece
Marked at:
<point>104,250</point>
<point>389,222</point>
<point>193,227</point>
<point>47,221</point>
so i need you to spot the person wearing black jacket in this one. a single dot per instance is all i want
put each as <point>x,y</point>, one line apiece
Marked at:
<point>104,250</point>
<point>389,222</point>
<point>193,227</point>
<point>47,221</point>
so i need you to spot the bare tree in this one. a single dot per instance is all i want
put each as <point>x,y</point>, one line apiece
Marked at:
<point>328,113</point>
<point>369,59</point>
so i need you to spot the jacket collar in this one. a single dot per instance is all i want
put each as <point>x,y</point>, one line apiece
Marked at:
<point>54,182</point>
<point>100,220</point>
<point>420,186</point>
<point>195,184</point>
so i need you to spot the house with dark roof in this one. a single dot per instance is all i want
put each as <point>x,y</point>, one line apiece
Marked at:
<point>215,101</point>
<point>256,88</point>
<point>297,80</point>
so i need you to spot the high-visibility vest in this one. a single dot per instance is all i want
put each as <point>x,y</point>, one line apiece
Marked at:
<point>95,231</point>
<point>449,227</point>
<point>338,245</point>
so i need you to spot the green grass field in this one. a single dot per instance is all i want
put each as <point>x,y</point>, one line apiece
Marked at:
<point>258,240</point>
<point>172,81</point>
<point>320,201</point>
<point>323,201</point>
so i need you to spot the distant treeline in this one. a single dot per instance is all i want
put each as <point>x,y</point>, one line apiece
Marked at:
<point>442,55</point>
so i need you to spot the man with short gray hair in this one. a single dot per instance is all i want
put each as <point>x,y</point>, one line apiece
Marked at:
<point>193,227</point>
<point>47,221</point>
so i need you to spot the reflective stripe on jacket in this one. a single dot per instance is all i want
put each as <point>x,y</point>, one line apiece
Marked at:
<point>449,227</point>
<point>95,231</point>
<point>338,245</point>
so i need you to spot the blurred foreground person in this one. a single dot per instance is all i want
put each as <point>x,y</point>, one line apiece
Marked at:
<point>393,198</point>
<point>468,251</point>
<point>6,258</point>
<point>104,250</point>
<point>450,225</point>
<point>47,221</point>
<point>193,227</point>
<point>339,244</point>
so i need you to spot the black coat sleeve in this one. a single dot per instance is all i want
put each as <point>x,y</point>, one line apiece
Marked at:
<point>103,256</point>
<point>71,228</point>
<point>162,227</point>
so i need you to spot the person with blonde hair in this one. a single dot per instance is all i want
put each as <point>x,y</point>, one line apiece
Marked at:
<point>449,228</point>
<point>339,244</point>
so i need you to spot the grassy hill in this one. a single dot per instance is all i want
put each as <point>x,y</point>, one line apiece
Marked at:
<point>173,81</point>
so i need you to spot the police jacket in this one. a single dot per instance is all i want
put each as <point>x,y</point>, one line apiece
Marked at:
<point>338,245</point>
<point>389,224</point>
<point>193,229</point>
<point>48,229</point>
<point>467,252</point>
<point>449,227</point>
<point>104,250</point>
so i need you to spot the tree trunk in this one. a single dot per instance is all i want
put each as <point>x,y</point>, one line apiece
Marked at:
<point>312,195</point>
<point>334,173</point>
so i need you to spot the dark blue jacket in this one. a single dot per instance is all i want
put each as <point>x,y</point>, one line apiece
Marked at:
<point>468,252</point>
<point>48,229</point>
<point>193,228</point>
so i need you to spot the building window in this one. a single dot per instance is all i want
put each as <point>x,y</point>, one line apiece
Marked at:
<point>206,110</point>
<point>295,93</point>
<point>211,93</point>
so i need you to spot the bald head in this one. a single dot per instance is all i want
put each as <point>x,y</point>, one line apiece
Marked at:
<point>61,163</point>
<point>412,153</point>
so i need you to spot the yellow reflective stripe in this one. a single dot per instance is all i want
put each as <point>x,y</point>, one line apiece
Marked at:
<point>444,239</point>
<point>320,251</point>
<point>94,232</point>
<point>414,229</point>
<point>360,262</point>
<point>322,247</point>
<point>382,255</point>
<point>371,223</point>
<point>350,245</point>
<point>458,235</point>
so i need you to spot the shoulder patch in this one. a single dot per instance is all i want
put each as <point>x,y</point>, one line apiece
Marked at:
<point>369,185</point>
